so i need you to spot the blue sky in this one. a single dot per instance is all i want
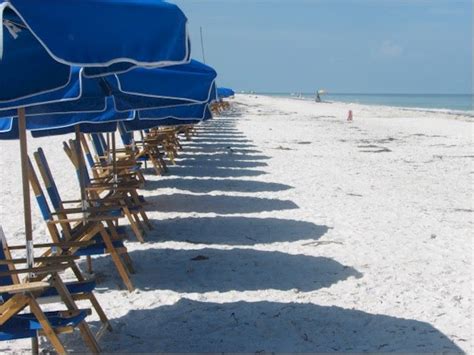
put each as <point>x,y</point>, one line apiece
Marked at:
<point>358,46</point>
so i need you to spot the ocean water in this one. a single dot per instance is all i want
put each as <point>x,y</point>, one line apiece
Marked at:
<point>448,102</point>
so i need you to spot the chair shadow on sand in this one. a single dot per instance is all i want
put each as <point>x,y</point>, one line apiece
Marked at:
<point>255,327</point>
<point>211,185</point>
<point>220,204</point>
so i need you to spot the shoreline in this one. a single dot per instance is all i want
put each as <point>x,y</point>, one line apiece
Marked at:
<point>468,114</point>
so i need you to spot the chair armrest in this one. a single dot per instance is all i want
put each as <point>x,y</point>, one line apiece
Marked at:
<point>25,287</point>
<point>43,259</point>
<point>58,245</point>
<point>37,270</point>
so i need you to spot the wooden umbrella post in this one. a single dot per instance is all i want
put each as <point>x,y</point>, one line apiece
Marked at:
<point>109,156</point>
<point>81,167</point>
<point>114,160</point>
<point>26,188</point>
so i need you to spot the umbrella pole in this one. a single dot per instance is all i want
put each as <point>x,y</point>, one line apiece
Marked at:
<point>80,163</point>
<point>26,188</point>
<point>143,144</point>
<point>108,147</point>
<point>114,159</point>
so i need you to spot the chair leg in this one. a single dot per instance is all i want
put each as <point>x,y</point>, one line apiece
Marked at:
<point>89,265</point>
<point>145,219</point>
<point>100,312</point>
<point>113,231</point>
<point>34,345</point>
<point>141,210</point>
<point>141,177</point>
<point>133,224</point>
<point>128,262</point>
<point>47,328</point>
<point>89,338</point>
<point>156,165</point>
<point>117,260</point>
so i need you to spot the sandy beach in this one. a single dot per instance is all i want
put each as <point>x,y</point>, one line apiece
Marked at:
<point>285,228</point>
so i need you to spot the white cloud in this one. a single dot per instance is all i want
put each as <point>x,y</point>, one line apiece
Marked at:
<point>390,49</point>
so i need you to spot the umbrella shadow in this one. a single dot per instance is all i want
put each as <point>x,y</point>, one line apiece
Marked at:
<point>255,327</point>
<point>211,144</point>
<point>218,136</point>
<point>221,163</point>
<point>228,140</point>
<point>228,230</point>
<point>210,185</point>
<point>222,156</point>
<point>212,172</point>
<point>220,204</point>
<point>220,148</point>
<point>211,270</point>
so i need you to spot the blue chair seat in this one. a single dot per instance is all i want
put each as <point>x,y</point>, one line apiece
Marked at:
<point>99,247</point>
<point>115,213</point>
<point>73,288</point>
<point>26,325</point>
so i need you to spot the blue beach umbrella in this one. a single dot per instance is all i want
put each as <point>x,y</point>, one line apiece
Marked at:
<point>185,114</point>
<point>223,93</point>
<point>175,115</point>
<point>104,36</point>
<point>59,124</point>
<point>139,88</point>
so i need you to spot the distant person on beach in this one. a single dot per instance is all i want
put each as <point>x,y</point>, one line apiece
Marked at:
<point>318,98</point>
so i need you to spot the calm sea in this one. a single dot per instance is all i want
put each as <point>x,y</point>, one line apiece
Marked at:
<point>450,102</point>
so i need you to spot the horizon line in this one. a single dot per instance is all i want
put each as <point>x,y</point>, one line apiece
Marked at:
<point>358,93</point>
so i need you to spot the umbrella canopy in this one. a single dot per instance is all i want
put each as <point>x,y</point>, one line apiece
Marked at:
<point>222,93</point>
<point>168,116</point>
<point>139,88</point>
<point>58,124</point>
<point>102,36</point>
<point>118,27</point>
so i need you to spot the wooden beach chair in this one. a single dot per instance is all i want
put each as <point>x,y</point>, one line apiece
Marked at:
<point>145,152</point>
<point>79,225</point>
<point>101,165</point>
<point>120,194</point>
<point>165,138</point>
<point>187,130</point>
<point>15,296</point>
<point>80,290</point>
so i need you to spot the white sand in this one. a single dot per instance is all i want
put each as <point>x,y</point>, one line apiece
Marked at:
<point>321,235</point>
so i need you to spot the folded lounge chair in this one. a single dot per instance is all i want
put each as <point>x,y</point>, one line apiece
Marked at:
<point>88,228</point>
<point>79,290</point>
<point>144,152</point>
<point>120,193</point>
<point>16,296</point>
